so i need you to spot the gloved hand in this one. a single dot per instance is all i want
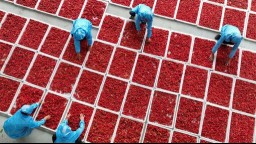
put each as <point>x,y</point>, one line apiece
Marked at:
<point>89,48</point>
<point>47,117</point>
<point>148,40</point>
<point>81,117</point>
<point>78,56</point>
<point>68,116</point>
<point>40,101</point>
<point>228,62</point>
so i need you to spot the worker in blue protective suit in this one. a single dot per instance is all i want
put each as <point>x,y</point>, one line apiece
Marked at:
<point>229,35</point>
<point>81,30</point>
<point>21,123</point>
<point>64,134</point>
<point>144,15</point>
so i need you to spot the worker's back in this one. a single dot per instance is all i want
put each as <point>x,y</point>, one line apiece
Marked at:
<point>18,125</point>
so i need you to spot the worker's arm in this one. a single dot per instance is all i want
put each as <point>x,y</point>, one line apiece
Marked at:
<point>217,45</point>
<point>36,124</point>
<point>80,130</point>
<point>89,38</point>
<point>77,45</point>
<point>137,23</point>
<point>149,28</point>
<point>234,49</point>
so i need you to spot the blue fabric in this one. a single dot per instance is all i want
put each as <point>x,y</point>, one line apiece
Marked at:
<point>64,134</point>
<point>81,30</point>
<point>20,125</point>
<point>232,34</point>
<point>144,14</point>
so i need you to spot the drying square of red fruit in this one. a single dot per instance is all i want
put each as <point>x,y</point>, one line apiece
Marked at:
<point>27,96</point>
<point>71,55</point>
<point>128,131</point>
<point>1,15</point>
<point>94,11</point>
<point>235,17</point>
<point>27,3</point>
<point>122,63</point>
<point>33,34</point>
<point>248,65</point>
<point>215,123</point>
<point>8,90</point>
<point>188,10</point>
<point>218,1</point>
<point>19,63</point>
<point>243,4</point>
<point>53,105</point>
<point>130,37</point>
<point>195,82</point>
<point>162,109</point>
<point>253,5</point>
<point>251,33</point>
<point>102,128</point>
<point>211,16</point>
<point>11,28</point>
<point>137,100</point>
<point>166,8</point>
<point>88,87</point>
<point>99,57</point>
<point>145,71</point>
<point>71,9</point>
<point>170,76</point>
<point>64,78</point>
<point>204,141</point>
<point>220,89</point>
<point>189,115</point>
<point>222,57</point>
<point>4,52</point>
<point>111,29</point>
<point>112,94</point>
<point>126,3</point>
<point>179,46</point>
<point>241,130</point>
<point>245,97</point>
<point>50,6</point>
<point>158,44</point>
<point>156,134</point>
<point>183,138</point>
<point>41,71</point>
<point>74,120</point>
<point>149,3</point>
<point>201,52</point>
<point>55,42</point>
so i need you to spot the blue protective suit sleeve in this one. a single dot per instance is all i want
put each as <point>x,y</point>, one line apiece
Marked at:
<point>137,23</point>
<point>234,49</point>
<point>217,45</point>
<point>79,131</point>
<point>35,124</point>
<point>89,38</point>
<point>34,106</point>
<point>149,27</point>
<point>77,45</point>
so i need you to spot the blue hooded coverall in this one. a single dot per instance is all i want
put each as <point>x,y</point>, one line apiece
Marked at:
<point>64,134</point>
<point>144,14</point>
<point>232,34</point>
<point>21,125</point>
<point>81,30</point>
